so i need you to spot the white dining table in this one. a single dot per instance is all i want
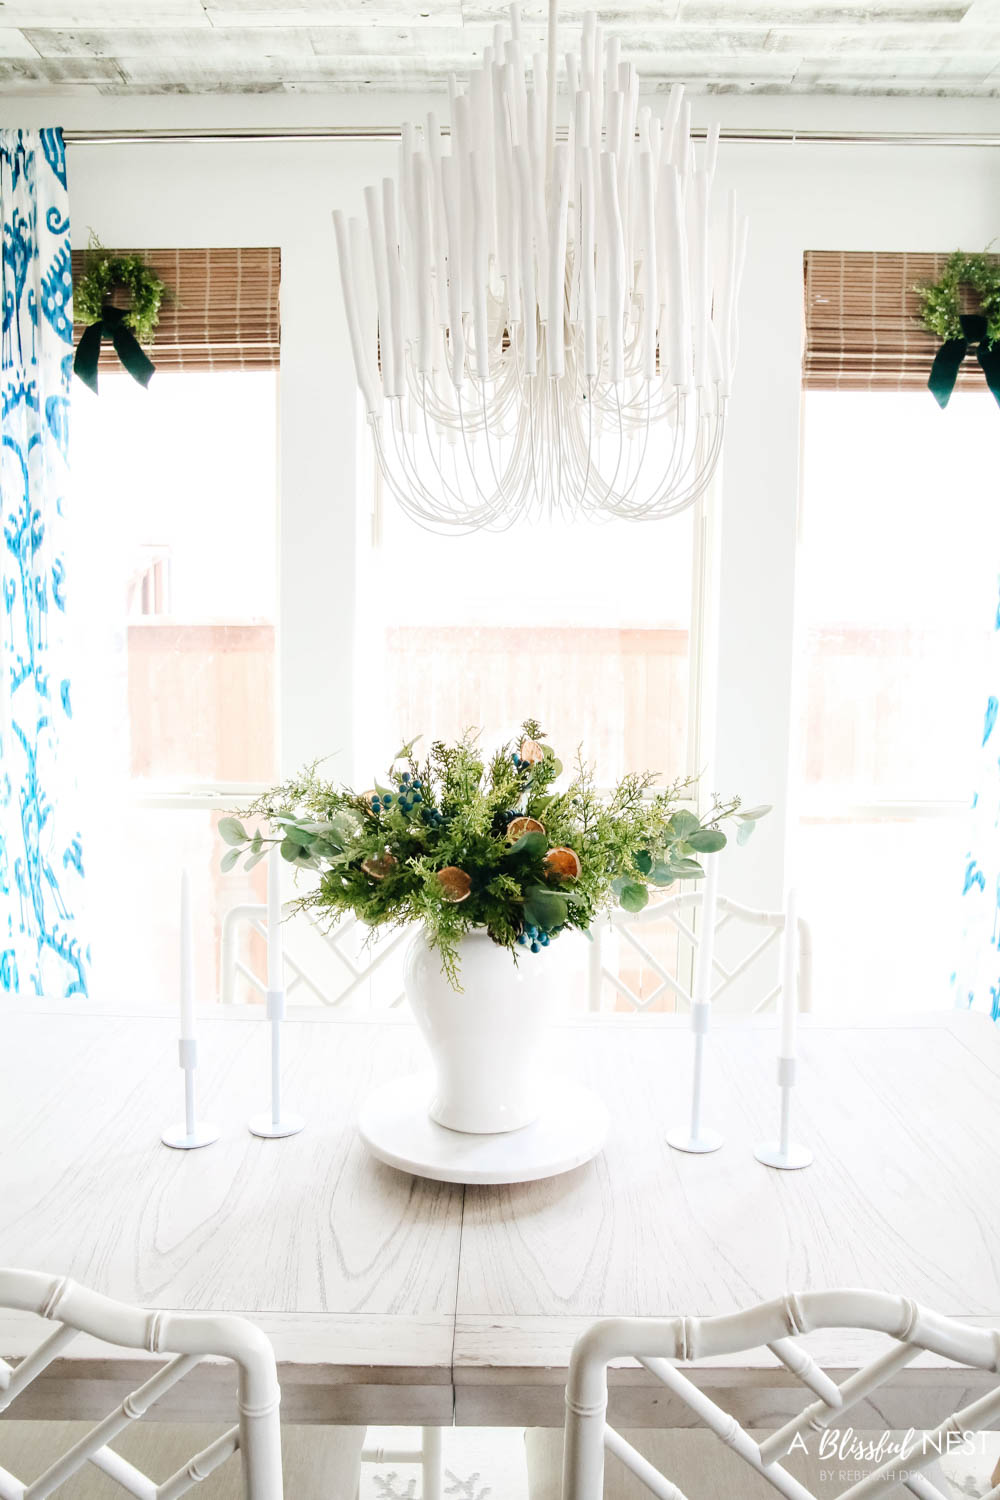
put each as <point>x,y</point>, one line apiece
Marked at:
<point>393,1299</point>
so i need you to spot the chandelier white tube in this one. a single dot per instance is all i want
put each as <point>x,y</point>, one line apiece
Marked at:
<point>544,326</point>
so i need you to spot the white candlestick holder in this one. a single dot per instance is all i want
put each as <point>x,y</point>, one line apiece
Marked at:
<point>192,1132</point>
<point>696,1137</point>
<point>784,1153</point>
<point>275,1124</point>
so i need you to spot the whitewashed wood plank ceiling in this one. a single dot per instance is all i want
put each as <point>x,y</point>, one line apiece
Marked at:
<point>891,47</point>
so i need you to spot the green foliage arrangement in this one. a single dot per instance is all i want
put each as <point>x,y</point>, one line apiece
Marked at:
<point>941,299</point>
<point>103,274</point>
<point>460,841</point>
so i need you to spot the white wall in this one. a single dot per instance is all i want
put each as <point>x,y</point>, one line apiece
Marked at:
<point>798,196</point>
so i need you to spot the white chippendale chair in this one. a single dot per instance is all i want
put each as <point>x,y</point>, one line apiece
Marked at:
<point>719,1456</point>
<point>354,962</point>
<point>76,1459</point>
<point>631,932</point>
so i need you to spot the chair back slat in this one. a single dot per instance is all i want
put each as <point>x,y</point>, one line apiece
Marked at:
<point>201,1466</point>
<point>805,1368</point>
<point>658,1484</point>
<point>39,1360</point>
<point>972,1418</point>
<point>134,1407</point>
<point>131,1479</point>
<point>10,1488</point>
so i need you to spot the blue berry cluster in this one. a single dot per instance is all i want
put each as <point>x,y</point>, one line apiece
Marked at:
<point>408,796</point>
<point>534,939</point>
<point>519,762</point>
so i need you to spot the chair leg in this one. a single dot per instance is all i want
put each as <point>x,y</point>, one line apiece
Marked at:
<point>433,1463</point>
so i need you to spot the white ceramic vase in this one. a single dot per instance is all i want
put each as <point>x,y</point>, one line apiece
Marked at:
<point>486,1041</point>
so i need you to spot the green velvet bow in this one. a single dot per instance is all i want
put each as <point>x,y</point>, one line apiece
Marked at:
<point>944,371</point>
<point>111,326</point>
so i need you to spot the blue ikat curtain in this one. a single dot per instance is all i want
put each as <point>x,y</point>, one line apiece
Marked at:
<point>41,858</point>
<point>977,977</point>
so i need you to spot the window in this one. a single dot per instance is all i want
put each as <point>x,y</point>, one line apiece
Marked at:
<point>586,627</point>
<point>175,597</point>
<point>898,580</point>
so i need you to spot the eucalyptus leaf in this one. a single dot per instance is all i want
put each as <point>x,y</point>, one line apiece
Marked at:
<point>686,869</point>
<point>290,850</point>
<point>683,823</point>
<point>644,862</point>
<point>751,814</point>
<point>634,896</point>
<point>255,859</point>
<point>232,831</point>
<point>530,844</point>
<point>745,832</point>
<point>707,840</point>
<point>619,883</point>
<point>344,825</point>
<point>543,908</point>
<point>300,836</point>
<point>257,842</point>
<point>229,859</point>
<point>661,874</point>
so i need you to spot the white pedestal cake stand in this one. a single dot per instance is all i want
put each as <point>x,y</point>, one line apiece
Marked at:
<point>396,1128</point>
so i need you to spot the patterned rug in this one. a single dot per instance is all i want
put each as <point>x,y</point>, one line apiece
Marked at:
<point>479,1464</point>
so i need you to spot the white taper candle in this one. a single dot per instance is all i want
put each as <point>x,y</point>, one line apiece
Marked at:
<point>187,961</point>
<point>789,976</point>
<point>275,965</point>
<point>706,941</point>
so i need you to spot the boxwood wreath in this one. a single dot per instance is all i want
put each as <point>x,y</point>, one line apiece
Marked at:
<point>127,326</point>
<point>460,840</point>
<point>941,314</point>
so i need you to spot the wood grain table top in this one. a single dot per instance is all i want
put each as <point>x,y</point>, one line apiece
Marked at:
<point>391,1298</point>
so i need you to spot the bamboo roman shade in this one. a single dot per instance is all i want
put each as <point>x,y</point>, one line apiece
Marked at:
<point>862,322</point>
<point>221,311</point>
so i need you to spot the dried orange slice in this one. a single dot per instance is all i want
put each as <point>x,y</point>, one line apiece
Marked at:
<point>531,752</point>
<point>378,865</point>
<point>455,883</point>
<point>563,863</point>
<point>518,827</point>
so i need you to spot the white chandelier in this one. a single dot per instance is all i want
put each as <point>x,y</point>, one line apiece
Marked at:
<point>544,325</point>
